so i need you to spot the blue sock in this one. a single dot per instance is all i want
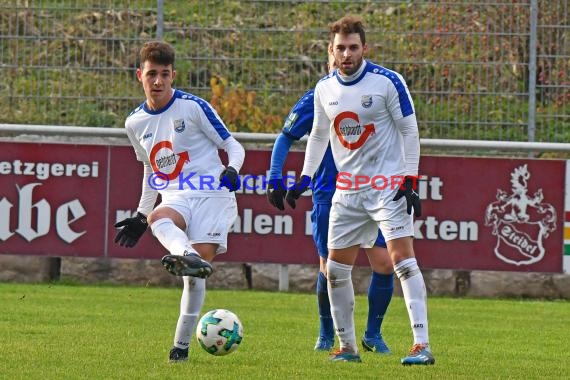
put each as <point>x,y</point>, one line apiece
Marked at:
<point>327,326</point>
<point>379,297</point>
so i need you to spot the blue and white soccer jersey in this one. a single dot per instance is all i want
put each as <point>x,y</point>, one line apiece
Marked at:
<point>371,126</point>
<point>180,142</point>
<point>298,124</point>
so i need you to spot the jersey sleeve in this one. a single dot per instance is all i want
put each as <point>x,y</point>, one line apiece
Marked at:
<point>401,107</point>
<point>300,119</point>
<point>139,150</point>
<point>318,139</point>
<point>398,100</point>
<point>279,155</point>
<point>210,122</point>
<point>297,124</point>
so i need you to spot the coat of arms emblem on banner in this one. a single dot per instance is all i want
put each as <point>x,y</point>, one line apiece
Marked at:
<point>520,221</point>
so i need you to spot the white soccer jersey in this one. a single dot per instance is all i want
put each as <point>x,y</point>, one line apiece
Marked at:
<point>371,124</point>
<point>181,141</point>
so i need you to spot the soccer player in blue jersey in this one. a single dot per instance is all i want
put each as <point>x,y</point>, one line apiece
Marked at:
<point>297,124</point>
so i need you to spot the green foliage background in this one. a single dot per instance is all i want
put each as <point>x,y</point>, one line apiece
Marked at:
<point>73,62</point>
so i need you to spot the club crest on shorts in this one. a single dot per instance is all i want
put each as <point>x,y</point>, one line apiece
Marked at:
<point>520,221</point>
<point>366,101</point>
<point>179,125</point>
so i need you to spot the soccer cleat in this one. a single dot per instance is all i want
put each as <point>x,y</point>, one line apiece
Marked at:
<point>345,355</point>
<point>191,264</point>
<point>375,344</point>
<point>178,355</point>
<point>324,344</point>
<point>420,354</point>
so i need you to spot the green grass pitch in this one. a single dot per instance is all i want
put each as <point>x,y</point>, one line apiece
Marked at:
<point>57,331</point>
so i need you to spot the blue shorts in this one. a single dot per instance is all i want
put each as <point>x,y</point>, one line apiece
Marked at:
<point>320,229</point>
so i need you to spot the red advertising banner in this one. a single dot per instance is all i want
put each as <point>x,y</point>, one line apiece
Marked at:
<point>478,213</point>
<point>53,199</point>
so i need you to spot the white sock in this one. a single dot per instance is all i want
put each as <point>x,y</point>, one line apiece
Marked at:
<point>170,236</point>
<point>415,296</point>
<point>191,303</point>
<point>341,296</point>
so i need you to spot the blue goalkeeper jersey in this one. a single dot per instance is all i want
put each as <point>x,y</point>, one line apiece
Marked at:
<point>298,124</point>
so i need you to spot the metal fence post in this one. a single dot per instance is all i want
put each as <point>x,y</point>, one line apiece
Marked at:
<point>532,70</point>
<point>159,19</point>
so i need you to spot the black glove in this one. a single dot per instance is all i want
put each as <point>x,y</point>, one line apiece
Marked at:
<point>276,193</point>
<point>229,178</point>
<point>412,198</point>
<point>133,229</point>
<point>297,189</point>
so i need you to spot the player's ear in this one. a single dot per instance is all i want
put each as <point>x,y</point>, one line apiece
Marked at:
<point>364,49</point>
<point>139,74</point>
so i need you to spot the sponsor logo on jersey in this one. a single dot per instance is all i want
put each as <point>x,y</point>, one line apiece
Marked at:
<point>366,101</point>
<point>179,125</point>
<point>347,126</point>
<point>146,136</point>
<point>335,103</point>
<point>162,155</point>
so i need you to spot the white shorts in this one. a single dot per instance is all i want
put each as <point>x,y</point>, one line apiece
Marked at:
<point>356,217</point>
<point>208,220</point>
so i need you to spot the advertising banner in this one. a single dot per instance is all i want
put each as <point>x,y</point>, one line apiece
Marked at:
<point>478,213</point>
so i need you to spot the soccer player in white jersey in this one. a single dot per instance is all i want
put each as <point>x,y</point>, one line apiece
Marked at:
<point>177,135</point>
<point>367,114</point>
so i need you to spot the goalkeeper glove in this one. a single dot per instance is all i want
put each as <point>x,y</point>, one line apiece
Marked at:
<point>276,193</point>
<point>133,229</point>
<point>229,178</point>
<point>412,198</point>
<point>297,189</point>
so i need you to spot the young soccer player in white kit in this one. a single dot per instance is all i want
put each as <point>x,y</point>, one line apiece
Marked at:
<point>367,114</point>
<point>177,135</point>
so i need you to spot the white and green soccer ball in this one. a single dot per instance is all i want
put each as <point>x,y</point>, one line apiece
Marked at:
<point>219,332</point>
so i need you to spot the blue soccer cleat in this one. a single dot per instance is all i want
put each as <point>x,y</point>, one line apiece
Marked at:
<point>178,355</point>
<point>324,344</point>
<point>420,354</point>
<point>375,344</point>
<point>191,264</point>
<point>345,355</point>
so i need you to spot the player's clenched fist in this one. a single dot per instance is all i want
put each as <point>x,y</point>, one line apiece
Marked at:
<point>276,193</point>
<point>131,231</point>
<point>229,178</point>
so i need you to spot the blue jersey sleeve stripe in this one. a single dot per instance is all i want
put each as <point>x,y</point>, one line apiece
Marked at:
<point>209,112</point>
<point>405,102</point>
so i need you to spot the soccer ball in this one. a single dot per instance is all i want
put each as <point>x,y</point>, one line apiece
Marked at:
<point>219,332</point>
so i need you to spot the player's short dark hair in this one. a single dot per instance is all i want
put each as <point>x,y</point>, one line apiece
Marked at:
<point>347,25</point>
<point>159,52</point>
